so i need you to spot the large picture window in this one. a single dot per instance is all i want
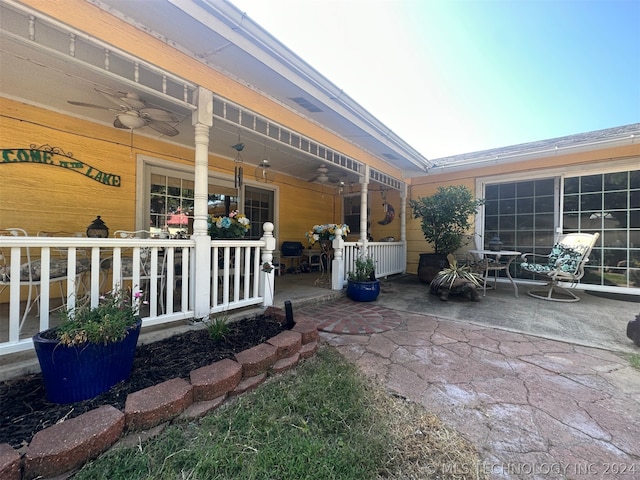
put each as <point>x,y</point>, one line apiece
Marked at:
<point>609,204</point>
<point>526,216</point>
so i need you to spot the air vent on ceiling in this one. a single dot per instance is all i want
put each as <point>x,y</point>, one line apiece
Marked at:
<point>389,156</point>
<point>306,104</point>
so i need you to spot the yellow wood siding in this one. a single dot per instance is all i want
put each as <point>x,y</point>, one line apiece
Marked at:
<point>43,197</point>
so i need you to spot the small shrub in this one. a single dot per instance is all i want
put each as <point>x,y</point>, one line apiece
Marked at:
<point>217,327</point>
<point>364,270</point>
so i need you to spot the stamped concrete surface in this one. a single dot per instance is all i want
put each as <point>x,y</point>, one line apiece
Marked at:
<point>535,405</point>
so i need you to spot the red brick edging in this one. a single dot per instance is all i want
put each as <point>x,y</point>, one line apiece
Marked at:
<point>69,445</point>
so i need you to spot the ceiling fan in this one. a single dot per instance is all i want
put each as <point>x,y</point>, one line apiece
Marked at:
<point>133,112</point>
<point>323,176</point>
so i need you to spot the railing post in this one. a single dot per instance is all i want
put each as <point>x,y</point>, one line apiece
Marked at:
<point>267,278</point>
<point>337,265</point>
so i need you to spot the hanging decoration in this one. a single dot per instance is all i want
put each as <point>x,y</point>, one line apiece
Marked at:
<point>389,211</point>
<point>237,177</point>
<point>57,157</point>
<point>263,173</point>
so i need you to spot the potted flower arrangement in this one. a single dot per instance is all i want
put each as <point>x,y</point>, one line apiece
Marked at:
<point>362,284</point>
<point>326,233</point>
<point>445,218</point>
<point>324,236</point>
<point>236,225</point>
<point>92,349</point>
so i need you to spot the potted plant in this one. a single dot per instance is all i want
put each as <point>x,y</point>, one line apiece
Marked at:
<point>324,235</point>
<point>92,349</point>
<point>445,217</point>
<point>458,279</point>
<point>235,225</point>
<point>362,284</point>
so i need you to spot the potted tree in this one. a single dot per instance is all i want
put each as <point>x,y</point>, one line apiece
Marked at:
<point>445,218</point>
<point>362,284</point>
<point>91,350</point>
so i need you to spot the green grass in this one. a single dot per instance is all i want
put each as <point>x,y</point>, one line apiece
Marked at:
<point>314,423</point>
<point>634,360</point>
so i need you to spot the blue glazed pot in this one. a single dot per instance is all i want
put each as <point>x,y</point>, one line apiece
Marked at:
<point>73,374</point>
<point>363,291</point>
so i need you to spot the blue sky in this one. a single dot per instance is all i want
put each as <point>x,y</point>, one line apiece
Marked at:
<point>454,76</point>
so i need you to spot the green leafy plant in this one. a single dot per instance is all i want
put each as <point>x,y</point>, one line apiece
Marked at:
<point>218,327</point>
<point>446,216</point>
<point>364,270</point>
<point>110,321</point>
<point>447,277</point>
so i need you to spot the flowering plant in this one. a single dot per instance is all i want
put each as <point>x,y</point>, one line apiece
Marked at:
<point>325,233</point>
<point>117,312</point>
<point>233,226</point>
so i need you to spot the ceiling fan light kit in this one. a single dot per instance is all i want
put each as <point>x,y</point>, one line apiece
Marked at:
<point>323,176</point>
<point>130,120</point>
<point>133,113</point>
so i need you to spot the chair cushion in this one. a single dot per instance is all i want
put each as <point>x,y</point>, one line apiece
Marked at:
<point>57,269</point>
<point>561,258</point>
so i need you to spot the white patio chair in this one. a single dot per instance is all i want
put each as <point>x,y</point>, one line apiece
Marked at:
<point>127,265</point>
<point>30,272</point>
<point>565,263</point>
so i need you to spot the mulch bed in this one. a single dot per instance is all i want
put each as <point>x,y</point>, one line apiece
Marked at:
<point>24,409</point>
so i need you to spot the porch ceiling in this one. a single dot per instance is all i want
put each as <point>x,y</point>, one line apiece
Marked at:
<point>47,78</point>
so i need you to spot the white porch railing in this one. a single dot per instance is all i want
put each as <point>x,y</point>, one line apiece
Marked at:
<point>389,257</point>
<point>162,269</point>
<point>235,274</point>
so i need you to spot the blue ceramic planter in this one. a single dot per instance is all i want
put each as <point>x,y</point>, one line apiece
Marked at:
<point>363,291</point>
<point>73,374</point>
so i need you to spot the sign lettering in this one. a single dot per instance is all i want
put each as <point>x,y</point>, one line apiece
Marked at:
<point>47,155</point>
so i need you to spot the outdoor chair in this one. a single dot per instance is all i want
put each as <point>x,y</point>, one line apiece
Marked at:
<point>565,263</point>
<point>31,272</point>
<point>127,266</point>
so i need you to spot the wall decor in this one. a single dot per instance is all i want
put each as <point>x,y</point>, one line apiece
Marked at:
<point>48,155</point>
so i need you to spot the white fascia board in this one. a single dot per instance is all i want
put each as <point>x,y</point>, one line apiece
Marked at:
<point>229,22</point>
<point>497,160</point>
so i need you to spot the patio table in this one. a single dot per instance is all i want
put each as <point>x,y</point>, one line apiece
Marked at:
<point>493,264</point>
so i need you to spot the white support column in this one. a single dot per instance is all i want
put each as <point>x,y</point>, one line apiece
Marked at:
<point>364,210</point>
<point>403,223</point>
<point>267,279</point>
<point>337,264</point>
<point>202,120</point>
<point>403,213</point>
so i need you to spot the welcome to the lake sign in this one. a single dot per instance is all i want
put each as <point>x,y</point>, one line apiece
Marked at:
<point>55,156</point>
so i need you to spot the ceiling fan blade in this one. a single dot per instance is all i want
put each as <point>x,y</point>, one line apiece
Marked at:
<point>91,105</point>
<point>123,99</point>
<point>163,128</point>
<point>158,114</point>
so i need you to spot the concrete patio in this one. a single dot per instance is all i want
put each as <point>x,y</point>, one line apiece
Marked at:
<point>543,390</point>
<point>594,321</point>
